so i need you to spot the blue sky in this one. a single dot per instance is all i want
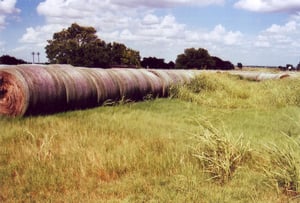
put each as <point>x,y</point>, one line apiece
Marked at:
<point>254,32</point>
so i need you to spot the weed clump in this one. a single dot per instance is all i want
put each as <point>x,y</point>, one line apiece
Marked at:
<point>282,168</point>
<point>217,155</point>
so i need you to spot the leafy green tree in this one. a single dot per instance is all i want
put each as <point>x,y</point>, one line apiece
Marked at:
<point>78,46</point>
<point>239,65</point>
<point>194,58</point>
<point>220,64</point>
<point>121,55</point>
<point>200,59</point>
<point>11,60</point>
<point>298,67</point>
<point>156,63</point>
<point>131,57</point>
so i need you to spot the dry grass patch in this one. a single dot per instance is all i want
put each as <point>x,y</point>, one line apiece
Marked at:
<point>219,156</point>
<point>221,90</point>
<point>282,166</point>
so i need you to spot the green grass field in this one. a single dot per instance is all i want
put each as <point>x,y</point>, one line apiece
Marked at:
<point>218,139</point>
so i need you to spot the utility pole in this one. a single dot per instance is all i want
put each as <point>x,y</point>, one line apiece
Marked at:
<point>38,54</point>
<point>33,56</point>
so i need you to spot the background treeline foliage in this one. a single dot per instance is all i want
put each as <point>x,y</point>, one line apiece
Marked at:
<point>10,60</point>
<point>200,59</point>
<point>156,63</point>
<point>80,46</point>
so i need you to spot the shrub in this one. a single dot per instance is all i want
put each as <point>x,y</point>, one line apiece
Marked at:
<point>217,154</point>
<point>282,168</point>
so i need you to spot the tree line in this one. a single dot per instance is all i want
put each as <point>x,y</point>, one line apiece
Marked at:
<point>11,60</point>
<point>79,46</point>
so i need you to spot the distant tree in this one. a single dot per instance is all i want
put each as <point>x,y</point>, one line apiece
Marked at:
<point>227,65</point>
<point>194,58</point>
<point>171,65</point>
<point>220,64</point>
<point>131,57</point>
<point>78,46</point>
<point>282,68</point>
<point>121,55</point>
<point>117,51</point>
<point>153,62</point>
<point>200,59</point>
<point>10,60</point>
<point>298,67</point>
<point>240,65</point>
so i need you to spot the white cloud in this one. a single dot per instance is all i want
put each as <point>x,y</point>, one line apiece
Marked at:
<point>268,5</point>
<point>262,44</point>
<point>166,3</point>
<point>150,19</point>
<point>221,35</point>
<point>40,34</point>
<point>2,47</point>
<point>35,39</point>
<point>138,26</point>
<point>165,27</point>
<point>280,42</point>
<point>278,36</point>
<point>287,28</point>
<point>7,7</point>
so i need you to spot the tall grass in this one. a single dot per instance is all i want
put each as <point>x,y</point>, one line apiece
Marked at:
<point>282,167</point>
<point>143,152</point>
<point>218,156</point>
<point>226,91</point>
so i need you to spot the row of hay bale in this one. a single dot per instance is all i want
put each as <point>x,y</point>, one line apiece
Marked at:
<point>39,89</point>
<point>259,76</point>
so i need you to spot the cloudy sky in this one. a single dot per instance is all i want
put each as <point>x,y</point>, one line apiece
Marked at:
<point>254,32</point>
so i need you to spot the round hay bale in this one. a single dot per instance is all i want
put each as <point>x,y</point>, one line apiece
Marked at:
<point>270,76</point>
<point>156,83</point>
<point>252,76</point>
<point>39,89</point>
<point>143,83</point>
<point>127,83</point>
<point>107,86</point>
<point>14,92</point>
<point>281,76</point>
<point>177,76</point>
<point>259,76</point>
<point>166,79</point>
<point>61,66</point>
<point>43,90</point>
<point>187,75</point>
<point>80,89</point>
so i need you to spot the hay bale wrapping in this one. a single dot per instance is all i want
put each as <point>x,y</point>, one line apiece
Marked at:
<point>259,76</point>
<point>43,89</point>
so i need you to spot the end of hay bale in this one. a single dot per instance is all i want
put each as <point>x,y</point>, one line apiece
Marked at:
<point>13,95</point>
<point>284,76</point>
